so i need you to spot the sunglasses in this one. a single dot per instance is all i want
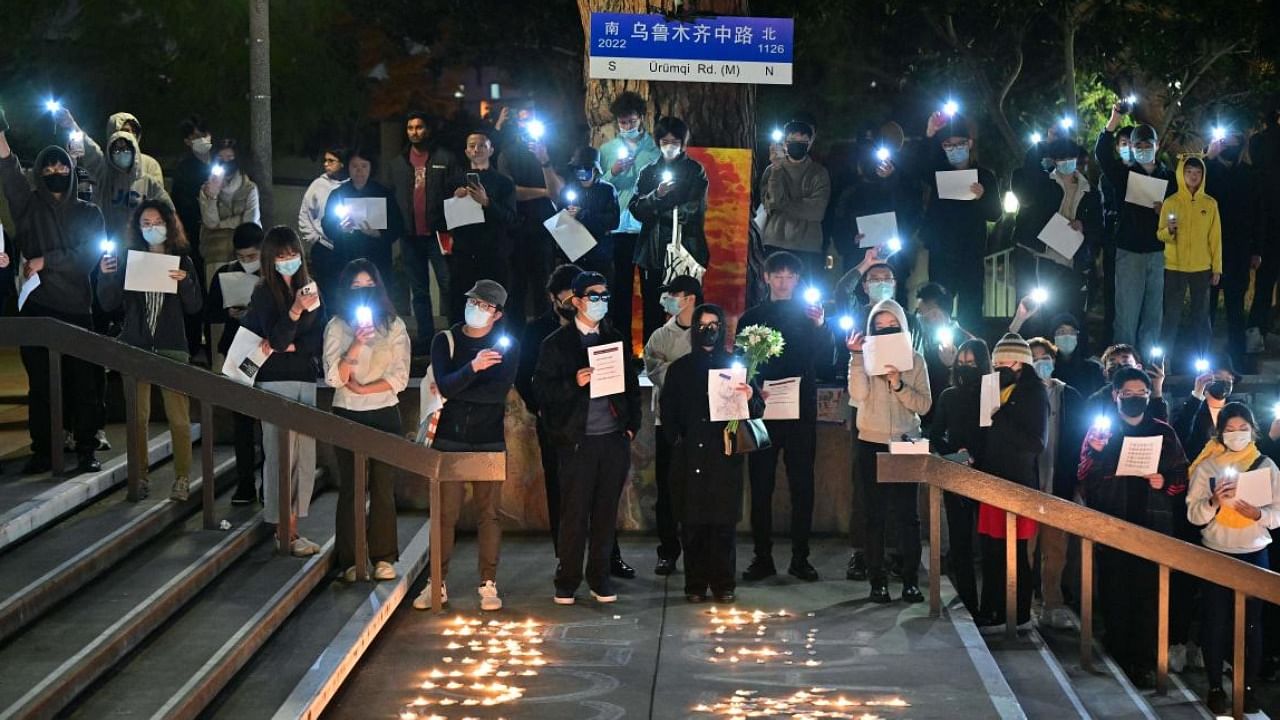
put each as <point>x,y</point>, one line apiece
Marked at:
<point>598,297</point>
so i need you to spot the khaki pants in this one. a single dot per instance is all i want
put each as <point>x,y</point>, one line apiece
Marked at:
<point>177,408</point>
<point>488,496</point>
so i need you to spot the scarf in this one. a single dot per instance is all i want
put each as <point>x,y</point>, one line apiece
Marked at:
<point>1241,461</point>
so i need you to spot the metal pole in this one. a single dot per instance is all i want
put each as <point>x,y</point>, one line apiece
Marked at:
<point>135,439</point>
<point>56,433</point>
<point>1238,659</point>
<point>1162,632</point>
<point>935,550</point>
<point>1011,575</point>
<point>207,488</point>
<point>284,501</point>
<point>436,518</point>
<point>1086,604</point>
<point>260,102</point>
<point>361,482</point>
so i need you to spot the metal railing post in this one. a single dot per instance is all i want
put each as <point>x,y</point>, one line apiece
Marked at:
<point>57,436</point>
<point>935,550</point>
<point>135,439</point>
<point>207,489</point>
<point>1086,604</point>
<point>1011,575</point>
<point>1238,658</point>
<point>284,502</point>
<point>437,537</point>
<point>361,537</point>
<point>1162,632</point>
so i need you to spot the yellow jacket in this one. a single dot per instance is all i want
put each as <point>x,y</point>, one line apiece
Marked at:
<point>1198,244</point>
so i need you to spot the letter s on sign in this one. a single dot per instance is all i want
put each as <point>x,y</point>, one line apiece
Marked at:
<point>612,66</point>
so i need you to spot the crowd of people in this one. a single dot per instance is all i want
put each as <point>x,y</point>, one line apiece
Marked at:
<point>521,316</point>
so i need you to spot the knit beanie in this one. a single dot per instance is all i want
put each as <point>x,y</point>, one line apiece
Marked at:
<point>1012,348</point>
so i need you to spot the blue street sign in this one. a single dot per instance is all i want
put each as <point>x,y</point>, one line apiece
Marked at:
<point>721,49</point>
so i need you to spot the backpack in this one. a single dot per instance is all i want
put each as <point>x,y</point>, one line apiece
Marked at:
<point>432,401</point>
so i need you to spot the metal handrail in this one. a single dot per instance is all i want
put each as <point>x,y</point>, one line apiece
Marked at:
<point>1091,527</point>
<point>135,365</point>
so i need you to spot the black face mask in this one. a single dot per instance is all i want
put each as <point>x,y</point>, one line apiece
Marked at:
<point>709,337</point>
<point>567,311</point>
<point>797,150</point>
<point>56,183</point>
<point>1219,389</point>
<point>891,330</point>
<point>967,375</point>
<point>1007,376</point>
<point>1133,406</point>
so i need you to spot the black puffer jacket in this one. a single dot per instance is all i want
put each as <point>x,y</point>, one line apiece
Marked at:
<point>171,331</point>
<point>65,232</point>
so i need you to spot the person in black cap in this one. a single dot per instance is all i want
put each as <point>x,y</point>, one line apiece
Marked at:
<point>592,436</point>
<point>594,203</point>
<point>1139,275</point>
<point>60,235</point>
<point>667,344</point>
<point>955,231</point>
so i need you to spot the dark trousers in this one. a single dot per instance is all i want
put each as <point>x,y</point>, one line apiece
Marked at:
<point>551,477</point>
<point>246,451</point>
<point>622,285</point>
<point>1127,598</point>
<point>381,527</point>
<point>326,267</point>
<point>711,555</point>
<point>466,268</point>
<point>1217,628</point>
<point>962,520</point>
<point>668,528</point>
<point>82,391</point>
<point>592,474</point>
<point>1264,288</point>
<point>1108,284</point>
<point>1234,285</point>
<point>994,579</point>
<point>963,277</point>
<point>533,257</point>
<point>795,440</point>
<point>881,500</point>
<point>651,293</point>
<point>1177,285</point>
<point>1066,288</point>
<point>422,255</point>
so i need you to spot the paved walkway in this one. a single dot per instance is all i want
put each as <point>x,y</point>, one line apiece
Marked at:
<point>785,649</point>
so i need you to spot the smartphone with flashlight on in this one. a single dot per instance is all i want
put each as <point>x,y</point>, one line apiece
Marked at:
<point>473,179</point>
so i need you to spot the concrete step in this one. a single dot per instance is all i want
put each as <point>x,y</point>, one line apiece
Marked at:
<point>1037,680</point>
<point>47,568</point>
<point>37,501</point>
<point>305,663</point>
<point>181,668</point>
<point>51,661</point>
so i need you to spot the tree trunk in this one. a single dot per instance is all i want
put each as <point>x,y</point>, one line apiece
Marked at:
<point>718,114</point>
<point>1069,63</point>
<point>260,103</point>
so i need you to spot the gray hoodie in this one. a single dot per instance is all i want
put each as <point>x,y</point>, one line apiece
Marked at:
<point>119,191</point>
<point>149,166</point>
<point>886,414</point>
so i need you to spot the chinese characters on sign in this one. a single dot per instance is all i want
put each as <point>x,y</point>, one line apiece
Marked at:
<point>720,49</point>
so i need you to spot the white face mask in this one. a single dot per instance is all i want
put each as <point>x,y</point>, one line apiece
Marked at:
<point>1237,440</point>
<point>671,152</point>
<point>251,267</point>
<point>202,146</point>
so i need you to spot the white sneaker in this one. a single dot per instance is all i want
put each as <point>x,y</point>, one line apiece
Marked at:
<point>1177,658</point>
<point>383,570</point>
<point>103,444</point>
<point>489,599</point>
<point>348,575</point>
<point>1253,342</point>
<point>1059,618</point>
<point>604,599</point>
<point>423,601</point>
<point>302,547</point>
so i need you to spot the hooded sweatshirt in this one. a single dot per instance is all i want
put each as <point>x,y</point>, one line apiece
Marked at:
<point>1226,530</point>
<point>149,166</point>
<point>1198,245</point>
<point>120,191</point>
<point>311,213</point>
<point>887,413</point>
<point>65,232</point>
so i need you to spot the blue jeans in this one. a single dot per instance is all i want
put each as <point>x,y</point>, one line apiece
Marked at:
<point>1139,283</point>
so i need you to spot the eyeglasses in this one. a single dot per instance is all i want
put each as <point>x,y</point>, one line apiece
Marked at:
<point>1126,394</point>
<point>482,305</point>
<point>710,326</point>
<point>953,146</point>
<point>598,297</point>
